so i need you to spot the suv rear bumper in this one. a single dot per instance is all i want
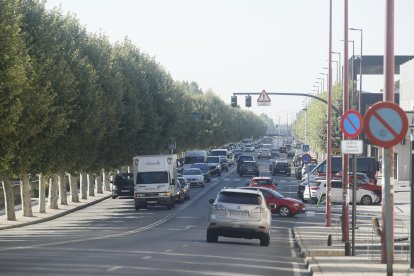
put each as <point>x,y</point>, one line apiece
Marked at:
<point>238,232</point>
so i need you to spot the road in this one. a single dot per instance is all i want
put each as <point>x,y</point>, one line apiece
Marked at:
<point>112,238</point>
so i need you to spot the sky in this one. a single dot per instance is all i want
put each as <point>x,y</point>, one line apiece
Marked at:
<point>248,45</point>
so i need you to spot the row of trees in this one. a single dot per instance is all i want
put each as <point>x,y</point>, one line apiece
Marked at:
<point>72,102</point>
<point>317,122</point>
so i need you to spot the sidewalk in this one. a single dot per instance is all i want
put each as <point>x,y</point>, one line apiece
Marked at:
<point>50,213</point>
<point>322,259</point>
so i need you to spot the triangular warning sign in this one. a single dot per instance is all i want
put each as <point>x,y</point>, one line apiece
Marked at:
<point>263,99</point>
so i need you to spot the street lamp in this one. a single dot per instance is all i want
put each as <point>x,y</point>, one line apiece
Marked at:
<point>340,68</point>
<point>352,71</point>
<point>320,84</point>
<point>337,69</point>
<point>323,83</point>
<point>360,71</point>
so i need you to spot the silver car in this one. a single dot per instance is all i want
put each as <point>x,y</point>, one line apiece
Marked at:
<point>194,176</point>
<point>239,213</point>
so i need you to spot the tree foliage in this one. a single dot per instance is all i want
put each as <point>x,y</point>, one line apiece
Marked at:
<point>73,102</point>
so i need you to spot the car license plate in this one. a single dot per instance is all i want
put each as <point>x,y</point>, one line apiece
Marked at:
<point>152,201</point>
<point>238,214</point>
<point>125,191</point>
<point>282,171</point>
<point>249,170</point>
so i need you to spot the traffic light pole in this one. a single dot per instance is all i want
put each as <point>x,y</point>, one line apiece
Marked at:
<point>291,94</point>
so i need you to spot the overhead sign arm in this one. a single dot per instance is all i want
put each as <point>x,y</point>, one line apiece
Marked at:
<point>290,94</point>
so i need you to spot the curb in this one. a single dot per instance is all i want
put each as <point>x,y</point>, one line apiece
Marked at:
<point>55,216</point>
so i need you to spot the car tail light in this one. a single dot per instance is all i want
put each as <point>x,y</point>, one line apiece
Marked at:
<point>257,210</point>
<point>220,207</point>
<point>315,188</point>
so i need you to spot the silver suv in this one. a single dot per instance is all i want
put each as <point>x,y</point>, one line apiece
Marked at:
<point>238,213</point>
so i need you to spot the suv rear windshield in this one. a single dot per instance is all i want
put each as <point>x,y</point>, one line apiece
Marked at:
<point>239,198</point>
<point>213,159</point>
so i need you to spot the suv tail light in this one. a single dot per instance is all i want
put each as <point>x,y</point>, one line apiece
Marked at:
<point>315,188</point>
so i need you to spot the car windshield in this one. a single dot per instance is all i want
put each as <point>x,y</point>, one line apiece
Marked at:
<point>275,193</point>
<point>192,172</point>
<point>124,178</point>
<point>250,164</point>
<point>194,159</point>
<point>152,177</point>
<point>199,166</point>
<point>239,198</point>
<point>262,181</point>
<point>182,181</point>
<point>213,159</point>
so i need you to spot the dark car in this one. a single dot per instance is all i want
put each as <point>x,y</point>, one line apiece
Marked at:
<point>281,167</point>
<point>249,168</point>
<point>123,185</point>
<point>237,153</point>
<point>285,206</point>
<point>224,163</point>
<point>243,158</point>
<point>185,187</point>
<point>204,169</point>
<point>282,150</point>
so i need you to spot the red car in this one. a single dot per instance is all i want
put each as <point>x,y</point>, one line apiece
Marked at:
<point>262,181</point>
<point>285,206</point>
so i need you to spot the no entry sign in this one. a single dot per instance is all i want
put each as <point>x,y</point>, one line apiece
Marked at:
<point>351,123</point>
<point>385,124</point>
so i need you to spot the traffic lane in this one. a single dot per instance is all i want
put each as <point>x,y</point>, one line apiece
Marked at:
<point>109,217</point>
<point>176,246</point>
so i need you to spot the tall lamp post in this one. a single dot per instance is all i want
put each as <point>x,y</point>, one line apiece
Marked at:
<point>323,83</point>
<point>340,68</point>
<point>337,69</point>
<point>352,104</point>
<point>360,71</point>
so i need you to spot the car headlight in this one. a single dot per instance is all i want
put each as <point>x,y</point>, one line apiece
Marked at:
<point>165,194</point>
<point>200,177</point>
<point>297,204</point>
<point>140,195</point>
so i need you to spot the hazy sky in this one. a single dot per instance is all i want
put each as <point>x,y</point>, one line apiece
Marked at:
<point>247,45</point>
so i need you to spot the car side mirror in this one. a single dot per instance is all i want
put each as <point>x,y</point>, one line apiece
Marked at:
<point>211,201</point>
<point>272,205</point>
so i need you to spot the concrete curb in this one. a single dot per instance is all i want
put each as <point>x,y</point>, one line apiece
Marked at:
<point>55,216</point>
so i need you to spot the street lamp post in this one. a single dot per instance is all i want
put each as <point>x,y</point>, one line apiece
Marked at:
<point>323,83</point>
<point>360,71</point>
<point>352,72</point>
<point>339,70</point>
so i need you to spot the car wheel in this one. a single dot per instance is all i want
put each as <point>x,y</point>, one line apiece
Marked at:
<point>219,174</point>
<point>202,186</point>
<point>211,237</point>
<point>265,240</point>
<point>114,196</point>
<point>188,197</point>
<point>366,200</point>
<point>284,211</point>
<point>136,207</point>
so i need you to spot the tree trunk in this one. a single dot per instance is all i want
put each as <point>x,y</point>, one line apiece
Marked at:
<point>9,200</point>
<point>73,181</point>
<point>83,186</point>
<point>99,184</point>
<point>106,183</point>
<point>91,186</point>
<point>42,194</point>
<point>62,189</point>
<point>26,196</point>
<point>53,192</point>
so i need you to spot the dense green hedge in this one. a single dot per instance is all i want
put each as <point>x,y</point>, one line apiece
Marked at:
<point>71,101</point>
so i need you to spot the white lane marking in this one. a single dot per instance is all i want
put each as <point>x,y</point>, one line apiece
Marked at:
<point>146,257</point>
<point>114,268</point>
<point>310,213</point>
<point>168,250</point>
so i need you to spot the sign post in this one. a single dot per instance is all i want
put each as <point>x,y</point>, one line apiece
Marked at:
<point>386,124</point>
<point>306,159</point>
<point>351,125</point>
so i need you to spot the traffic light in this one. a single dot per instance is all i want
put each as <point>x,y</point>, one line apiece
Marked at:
<point>248,101</point>
<point>233,101</point>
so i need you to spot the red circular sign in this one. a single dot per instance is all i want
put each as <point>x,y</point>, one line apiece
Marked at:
<point>351,123</point>
<point>385,124</point>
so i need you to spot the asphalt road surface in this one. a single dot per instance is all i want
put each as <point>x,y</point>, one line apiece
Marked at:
<point>111,238</point>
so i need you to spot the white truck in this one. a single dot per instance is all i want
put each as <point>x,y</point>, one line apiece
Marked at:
<point>194,156</point>
<point>155,179</point>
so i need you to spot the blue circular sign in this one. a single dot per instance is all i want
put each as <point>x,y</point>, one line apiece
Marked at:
<point>306,158</point>
<point>351,123</point>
